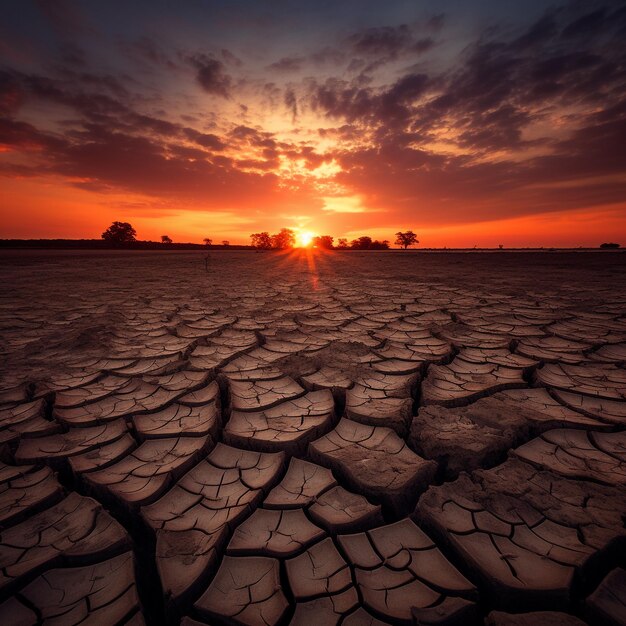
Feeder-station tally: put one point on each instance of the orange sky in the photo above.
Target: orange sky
(496, 126)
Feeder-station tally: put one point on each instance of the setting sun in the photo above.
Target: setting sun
(304, 238)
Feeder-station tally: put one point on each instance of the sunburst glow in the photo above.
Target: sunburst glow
(304, 238)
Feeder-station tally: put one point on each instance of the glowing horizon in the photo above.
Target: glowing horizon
(471, 126)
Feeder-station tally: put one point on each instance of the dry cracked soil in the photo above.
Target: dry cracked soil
(313, 438)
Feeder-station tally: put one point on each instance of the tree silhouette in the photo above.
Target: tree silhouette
(166, 239)
(119, 233)
(342, 243)
(362, 243)
(366, 243)
(261, 241)
(406, 239)
(225, 243)
(379, 245)
(207, 241)
(286, 238)
(323, 241)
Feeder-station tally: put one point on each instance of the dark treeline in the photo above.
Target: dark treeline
(286, 238)
(121, 235)
(100, 244)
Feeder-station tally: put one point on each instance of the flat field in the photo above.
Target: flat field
(313, 437)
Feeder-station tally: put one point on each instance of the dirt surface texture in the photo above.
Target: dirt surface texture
(312, 438)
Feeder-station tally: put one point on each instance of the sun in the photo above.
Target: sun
(304, 238)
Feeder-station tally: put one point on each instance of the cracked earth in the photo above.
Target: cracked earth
(313, 438)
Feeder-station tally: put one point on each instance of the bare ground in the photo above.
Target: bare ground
(330, 438)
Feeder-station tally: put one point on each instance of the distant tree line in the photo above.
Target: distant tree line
(286, 238)
(122, 234)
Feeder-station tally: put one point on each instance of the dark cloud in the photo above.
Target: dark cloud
(456, 189)
(12, 94)
(436, 22)
(540, 32)
(307, 154)
(328, 55)
(207, 140)
(340, 99)
(587, 25)
(231, 58)
(495, 128)
(211, 75)
(291, 103)
(23, 136)
(486, 106)
(72, 55)
(388, 42)
(106, 160)
(381, 41)
(89, 80)
(498, 91)
(422, 45)
(287, 64)
(115, 146)
(245, 135)
(146, 49)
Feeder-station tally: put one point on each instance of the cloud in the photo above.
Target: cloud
(587, 25)
(436, 22)
(207, 140)
(291, 103)
(381, 41)
(287, 64)
(231, 58)
(341, 99)
(23, 136)
(530, 124)
(388, 42)
(72, 55)
(211, 75)
(146, 49)
(112, 147)
(12, 94)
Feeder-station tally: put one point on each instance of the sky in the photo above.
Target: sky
(480, 122)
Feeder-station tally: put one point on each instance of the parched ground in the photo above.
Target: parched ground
(313, 438)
